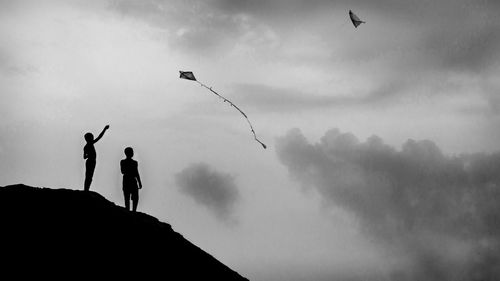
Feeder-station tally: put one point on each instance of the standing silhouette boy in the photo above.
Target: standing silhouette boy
(90, 154)
(131, 178)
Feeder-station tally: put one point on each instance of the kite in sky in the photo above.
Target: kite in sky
(355, 20)
(188, 75)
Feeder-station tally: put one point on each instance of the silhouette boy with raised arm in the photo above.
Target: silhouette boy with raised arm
(131, 178)
(90, 154)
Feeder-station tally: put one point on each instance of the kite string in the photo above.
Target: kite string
(237, 108)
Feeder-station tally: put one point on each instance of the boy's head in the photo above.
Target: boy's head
(129, 152)
(89, 137)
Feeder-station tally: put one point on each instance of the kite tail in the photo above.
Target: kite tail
(237, 108)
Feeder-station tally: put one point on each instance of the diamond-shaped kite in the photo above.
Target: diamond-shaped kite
(188, 75)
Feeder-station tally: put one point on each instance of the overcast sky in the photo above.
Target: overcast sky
(383, 140)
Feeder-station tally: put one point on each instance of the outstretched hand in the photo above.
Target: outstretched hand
(101, 134)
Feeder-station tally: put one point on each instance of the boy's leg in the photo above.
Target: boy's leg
(86, 184)
(126, 195)
(89, 173)
(135, 198)
(134, 205)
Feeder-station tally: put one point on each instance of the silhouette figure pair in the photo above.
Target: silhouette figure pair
(128, 166)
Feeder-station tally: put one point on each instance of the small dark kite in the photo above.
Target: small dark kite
(355, 20)
(187, 75)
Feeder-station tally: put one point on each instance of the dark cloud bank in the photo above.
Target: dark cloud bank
(215, 190)
(438, 214)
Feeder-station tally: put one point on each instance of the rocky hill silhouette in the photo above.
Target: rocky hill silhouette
(70, 234)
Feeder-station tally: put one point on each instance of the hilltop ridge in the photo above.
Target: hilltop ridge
(67, 233)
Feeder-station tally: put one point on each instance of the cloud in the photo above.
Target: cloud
(415, 46)
(430, 26)
(214, 190)
(194, 27)
(275, 99)
(472, 49)
(438, 213)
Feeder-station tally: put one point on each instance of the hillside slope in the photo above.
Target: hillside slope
(69, 233)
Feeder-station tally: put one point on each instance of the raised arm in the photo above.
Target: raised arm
(101, 134)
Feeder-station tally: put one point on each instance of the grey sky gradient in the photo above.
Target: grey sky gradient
(416, 70)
